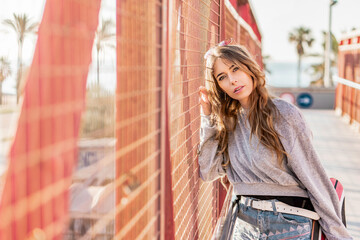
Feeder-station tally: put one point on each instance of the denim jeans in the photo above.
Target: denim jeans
(270, 225)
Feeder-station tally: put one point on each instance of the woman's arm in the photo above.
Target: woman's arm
(209, 160)
(307, 166)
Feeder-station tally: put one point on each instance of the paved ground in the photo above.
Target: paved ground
(338, 146)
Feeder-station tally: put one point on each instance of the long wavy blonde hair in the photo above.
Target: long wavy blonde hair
(262, 112)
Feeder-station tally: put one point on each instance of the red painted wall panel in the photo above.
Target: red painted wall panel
(43, 154)
(348, 98)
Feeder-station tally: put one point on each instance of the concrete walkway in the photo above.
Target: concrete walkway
(338, 146)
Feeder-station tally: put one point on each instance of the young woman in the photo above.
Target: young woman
(263, 145)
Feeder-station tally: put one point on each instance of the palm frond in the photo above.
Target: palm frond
(32, 28)
(310, 41)
(5, 69)
(10, 23)
(301, 36)
(21, 24)
(105, 33)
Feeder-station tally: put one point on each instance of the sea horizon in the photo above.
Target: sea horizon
(283, 74)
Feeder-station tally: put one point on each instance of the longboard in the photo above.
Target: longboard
(317, 233)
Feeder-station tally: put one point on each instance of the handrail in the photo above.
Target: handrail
(346, 82)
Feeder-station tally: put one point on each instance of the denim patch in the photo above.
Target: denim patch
(268, 225)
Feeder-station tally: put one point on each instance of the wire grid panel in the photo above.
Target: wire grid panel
(340, 87)
(234, 30)
(138, 113)
(244, 36)
(230, 26)
(348, 98)
(195, 28)
(345, 71)
(34, 202)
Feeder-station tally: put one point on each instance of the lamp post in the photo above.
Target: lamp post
(327, 67)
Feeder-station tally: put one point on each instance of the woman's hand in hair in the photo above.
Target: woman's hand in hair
(204, 101)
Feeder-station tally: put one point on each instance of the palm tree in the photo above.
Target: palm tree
(103, 34)
(317, 70)
(5, 71)
(300, 36)
(22, 25)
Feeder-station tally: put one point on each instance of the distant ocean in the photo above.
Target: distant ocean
(284, 74)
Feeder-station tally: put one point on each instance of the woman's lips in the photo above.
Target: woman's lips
(238, 89)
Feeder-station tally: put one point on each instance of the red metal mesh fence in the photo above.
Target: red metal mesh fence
(244, 36)
(347, 97)
(242, 33)
(142, 181)
(231, 26)
(195, 27)
(138, 126)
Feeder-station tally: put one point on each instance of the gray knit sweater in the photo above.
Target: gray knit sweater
(254, 170)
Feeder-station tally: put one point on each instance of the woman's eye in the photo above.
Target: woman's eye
(235, 69)
(222, 77)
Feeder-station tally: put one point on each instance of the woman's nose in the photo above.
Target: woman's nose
(232, 79)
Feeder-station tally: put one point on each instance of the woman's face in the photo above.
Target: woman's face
(236, 83)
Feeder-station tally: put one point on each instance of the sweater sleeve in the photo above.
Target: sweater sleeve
(209, 160)
(306, 165)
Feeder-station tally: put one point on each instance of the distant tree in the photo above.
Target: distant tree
(301, 36)
(5, 72)
(104, 34)
(98, 120)
(22, 25)
(317, 70)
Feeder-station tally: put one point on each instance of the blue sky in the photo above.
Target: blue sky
(277, 18)
(34, 9)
